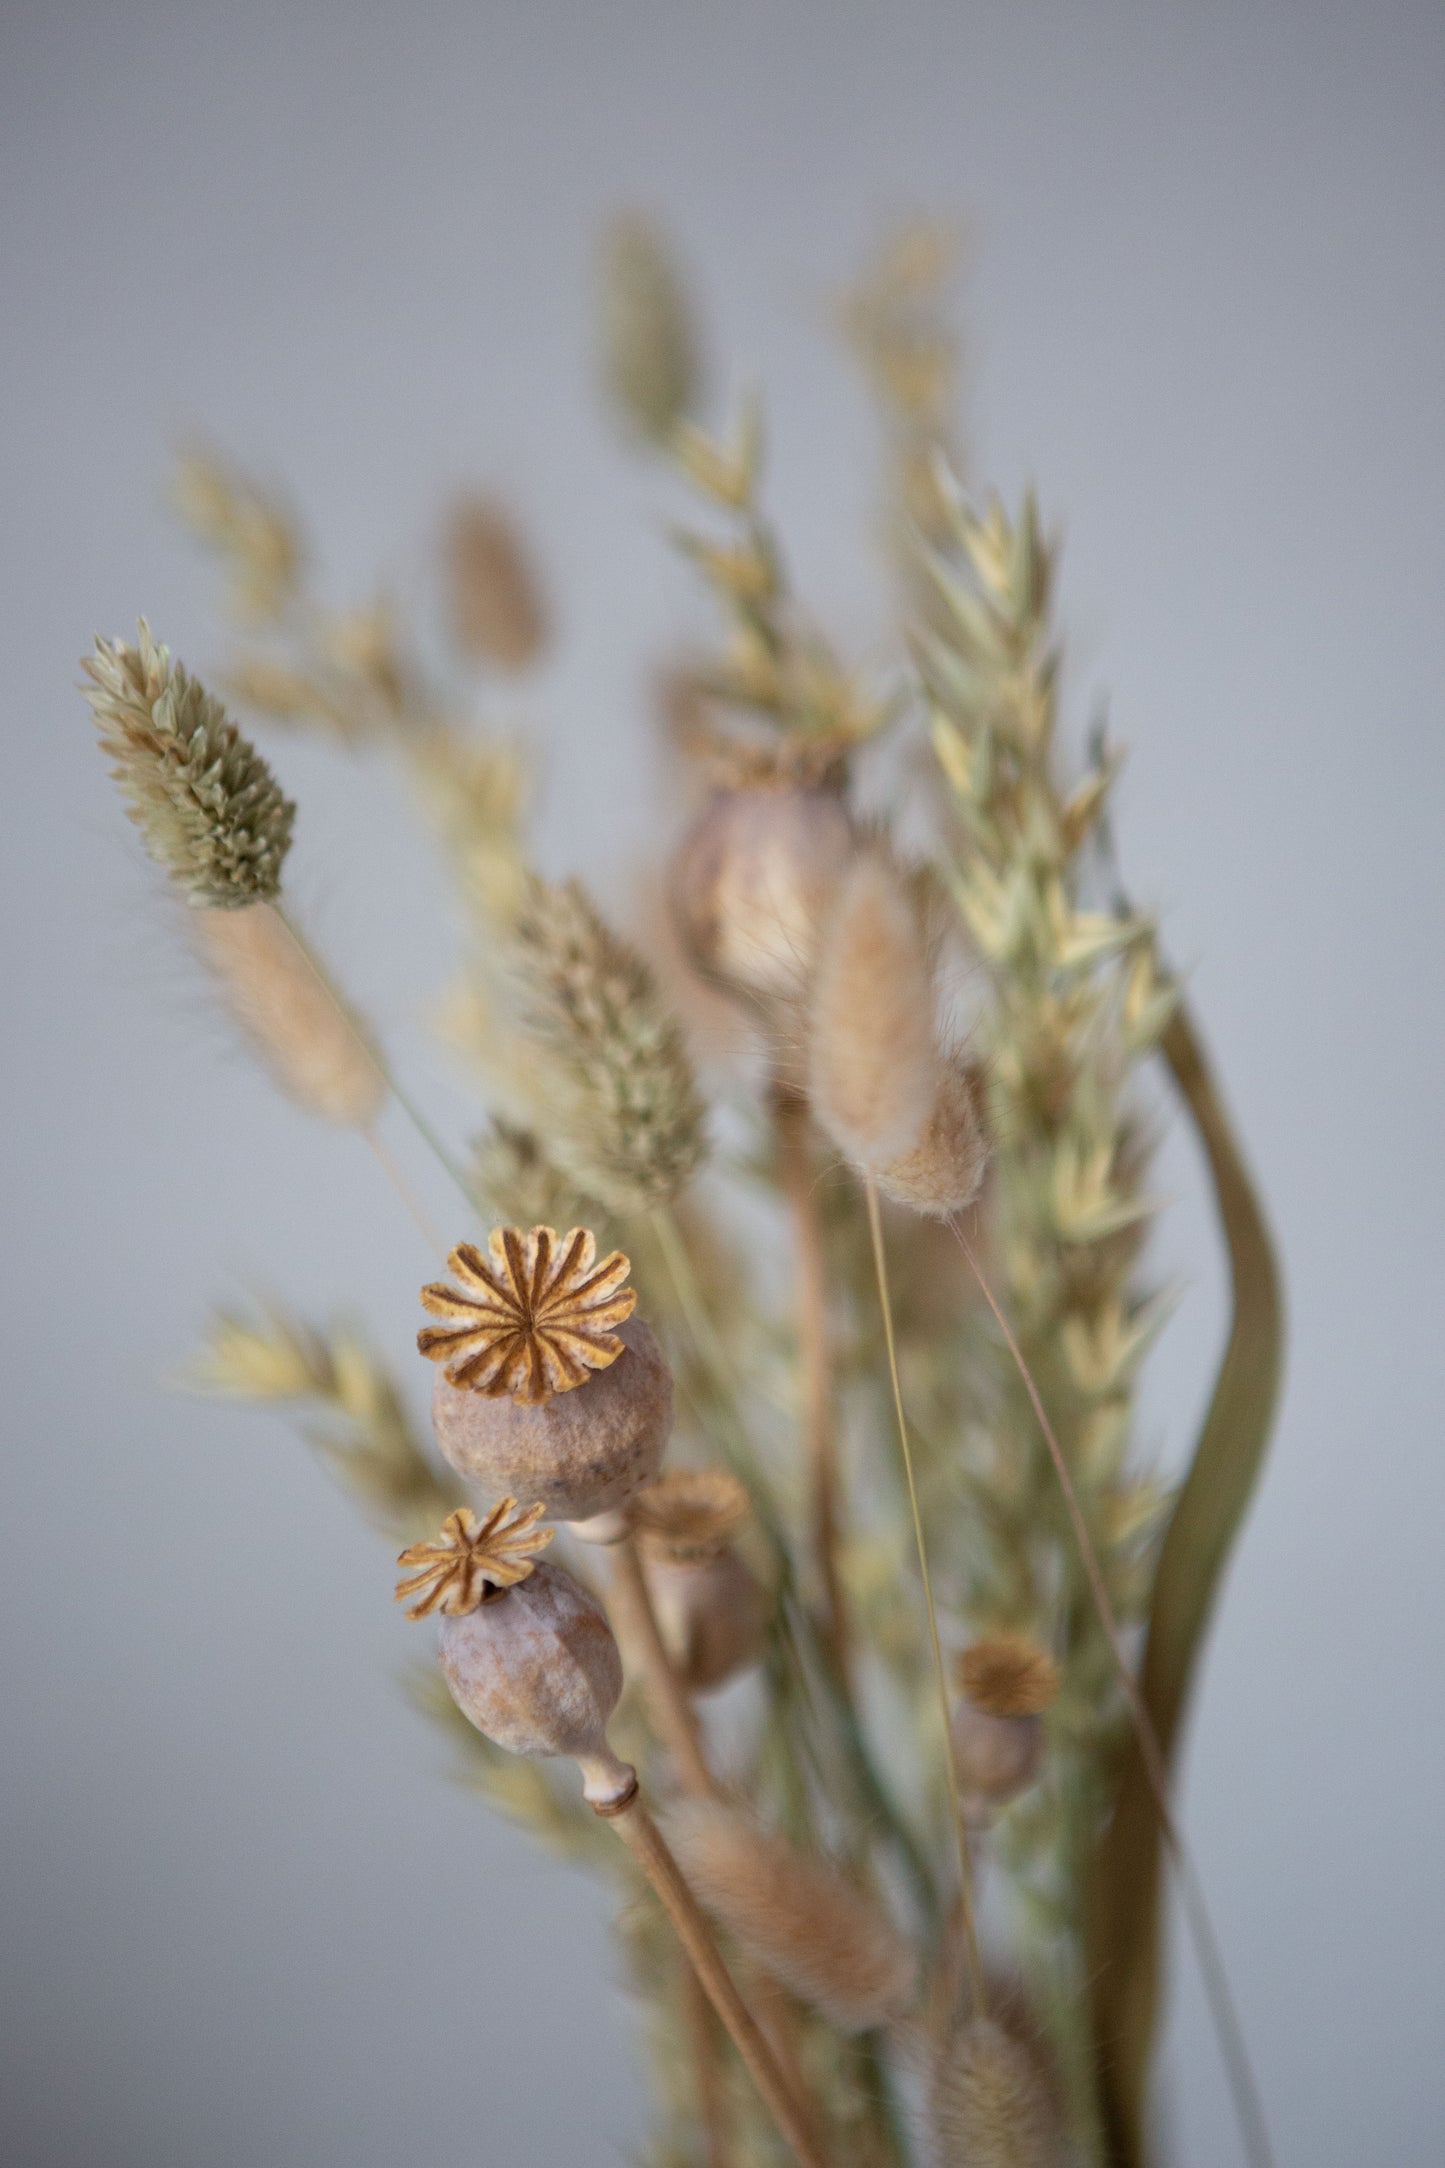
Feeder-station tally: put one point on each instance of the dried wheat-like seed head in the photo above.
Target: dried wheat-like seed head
(872, 1063)
(314, 1045)
(650, 362)
(690, 1513)
(496, 605)
(208, 808)
(250, 530)
(620, 1109)
(991, 2107)
(472, 1559)
(797, 1916)
(1007, 1674)
(533, 1322)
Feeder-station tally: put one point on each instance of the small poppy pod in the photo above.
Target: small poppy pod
(996, 1757)
(752, 884)
(580, 1453)
(536, 1668)
(997, 1730)
(711, 1613)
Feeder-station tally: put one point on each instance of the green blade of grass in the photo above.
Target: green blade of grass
(1125, 1896)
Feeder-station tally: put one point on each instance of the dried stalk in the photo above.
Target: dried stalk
(709, 2075)
(672, 1712)
(635, 1826)
(797, 1175)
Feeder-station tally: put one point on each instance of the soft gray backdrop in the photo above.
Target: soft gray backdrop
(246, 1922)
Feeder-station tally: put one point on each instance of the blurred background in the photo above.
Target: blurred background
(246, 1919)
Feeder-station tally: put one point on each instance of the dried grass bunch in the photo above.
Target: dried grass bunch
(903, 1518)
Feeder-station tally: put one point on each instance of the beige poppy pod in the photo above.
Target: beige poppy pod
(527, 1654)
(711, 1613)
(536, 1668)
(536, 1393)
(943, 1172)
(997, 1731)
(580, 1453)
(996, 1757)
(752, 884)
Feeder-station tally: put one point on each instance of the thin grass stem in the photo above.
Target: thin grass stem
(977, 1982)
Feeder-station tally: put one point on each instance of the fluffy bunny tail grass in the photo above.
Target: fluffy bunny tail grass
(796, 1916)
(316, 1050)
(943, 1171)
(873, 1066)
(991, 2106)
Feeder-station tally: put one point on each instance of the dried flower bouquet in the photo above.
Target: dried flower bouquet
(907, 1898)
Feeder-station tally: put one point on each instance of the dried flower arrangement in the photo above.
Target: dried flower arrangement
(908, 1900)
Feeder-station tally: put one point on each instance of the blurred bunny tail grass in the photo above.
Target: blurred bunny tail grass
(811, 1367)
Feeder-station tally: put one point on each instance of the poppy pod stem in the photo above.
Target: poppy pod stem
(635, 1826)
(673, 1715)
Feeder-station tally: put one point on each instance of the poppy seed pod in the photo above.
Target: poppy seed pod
(711, 1614)
(996, 1757)
(581, 1452)
(752, 883)
(536, 1668)
(997, 1731)
(536, 1393)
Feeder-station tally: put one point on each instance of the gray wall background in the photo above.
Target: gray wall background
(245, 1920)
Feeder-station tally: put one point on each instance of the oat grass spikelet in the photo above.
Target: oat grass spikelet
(872, 1063)
(208, 808)
(535, 1320)
(472, 1559)
(1009, 1675)
(796, 1915)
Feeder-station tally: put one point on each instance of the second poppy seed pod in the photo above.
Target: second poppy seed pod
(579, 1453)
(752, 884)
(996, 1757)
(997, 1730)
(536, 1668)
(711, 1614)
